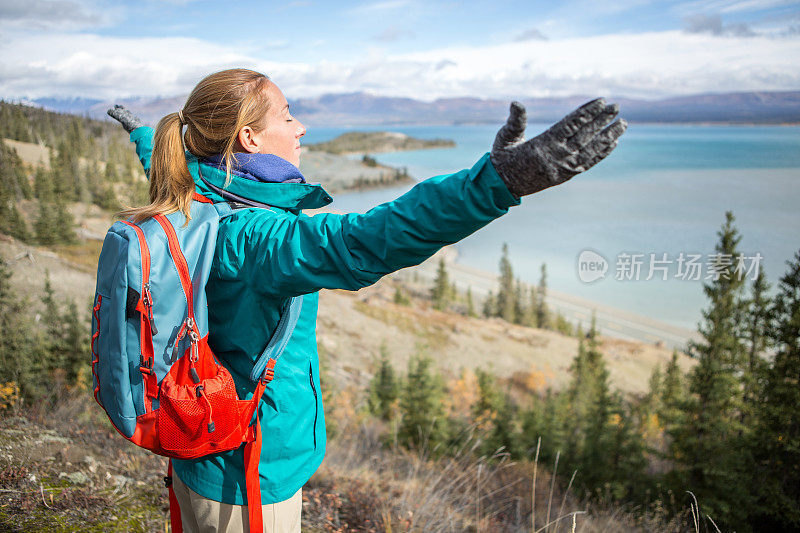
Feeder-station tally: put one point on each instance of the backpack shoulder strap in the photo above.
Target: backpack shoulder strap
(263, 369)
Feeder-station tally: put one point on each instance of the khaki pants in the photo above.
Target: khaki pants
(201, 515)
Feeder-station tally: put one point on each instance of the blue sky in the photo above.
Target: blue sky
(417, 48)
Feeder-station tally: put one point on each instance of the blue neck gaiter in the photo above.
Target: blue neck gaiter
(259, 167)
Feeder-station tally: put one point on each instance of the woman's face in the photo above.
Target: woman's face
(282, 133)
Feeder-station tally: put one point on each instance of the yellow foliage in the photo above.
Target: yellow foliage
(485, 421)
(533, 381)
(9, 394)
(342, 406)
(462, 394)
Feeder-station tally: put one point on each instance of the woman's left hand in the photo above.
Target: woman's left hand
(572, 145)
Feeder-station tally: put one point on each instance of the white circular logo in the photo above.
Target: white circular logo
(591, 266)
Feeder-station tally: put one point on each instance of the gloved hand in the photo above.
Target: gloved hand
(574, 144)
(128, 120)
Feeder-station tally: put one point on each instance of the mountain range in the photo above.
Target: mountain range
(359, 108)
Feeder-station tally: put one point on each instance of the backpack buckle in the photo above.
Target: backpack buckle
(147, 366)
(269, 371)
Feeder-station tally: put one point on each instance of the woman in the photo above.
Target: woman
(244, 147)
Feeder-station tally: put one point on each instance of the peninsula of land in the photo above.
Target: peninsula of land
(364, 142)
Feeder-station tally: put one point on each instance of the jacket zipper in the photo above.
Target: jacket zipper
(316, 403)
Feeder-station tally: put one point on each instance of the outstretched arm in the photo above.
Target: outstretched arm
(141, 135)
(285, 255)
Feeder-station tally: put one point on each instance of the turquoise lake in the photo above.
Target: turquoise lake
(664, 190)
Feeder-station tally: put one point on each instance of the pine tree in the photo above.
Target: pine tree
(12, 223)
(600, 440)
(541, 312)
(519, 306)
(383, 389)
(623, 471)
(757, 321)
(489, 306)
(21, 132)
(506, 292)
(422, 423)
(65, 223)
(470, 303)
(530, 309)
(493, 414)
(563, 326)
(578, 397)
(64, 172)
(440, 292)
(43, 185)
(673, 393)
(17, 339)
(76, 346)
(707, 447)
(651, 403)
(602, 403)
(44, 226)
(648, 413)
(400, 297)
(778, 435)
(12, 176)
(55, 331)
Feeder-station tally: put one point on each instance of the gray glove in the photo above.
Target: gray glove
(128, 120)
(574, 144)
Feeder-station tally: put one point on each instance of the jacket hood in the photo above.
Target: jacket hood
(290, 196)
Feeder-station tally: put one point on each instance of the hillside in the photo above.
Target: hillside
(354, 142)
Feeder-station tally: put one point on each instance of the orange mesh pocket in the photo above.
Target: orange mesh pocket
(195, 419)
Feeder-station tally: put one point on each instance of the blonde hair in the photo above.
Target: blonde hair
(216, 110)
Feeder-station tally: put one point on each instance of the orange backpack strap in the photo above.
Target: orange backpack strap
(174, 509)
(252, 457)
(262, 373)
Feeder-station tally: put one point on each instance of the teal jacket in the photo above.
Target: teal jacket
(263, 257)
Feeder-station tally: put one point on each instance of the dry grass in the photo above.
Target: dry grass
(462, 492)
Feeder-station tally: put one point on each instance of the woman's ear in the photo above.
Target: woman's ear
(247, 140)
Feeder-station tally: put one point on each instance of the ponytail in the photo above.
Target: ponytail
(171, 184)
(218, 107)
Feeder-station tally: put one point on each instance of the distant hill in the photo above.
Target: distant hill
(353, 142)
(359, 108)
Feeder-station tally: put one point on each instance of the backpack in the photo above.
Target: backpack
(152, 369)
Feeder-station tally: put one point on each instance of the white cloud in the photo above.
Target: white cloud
(646, 65)
(97, 66)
